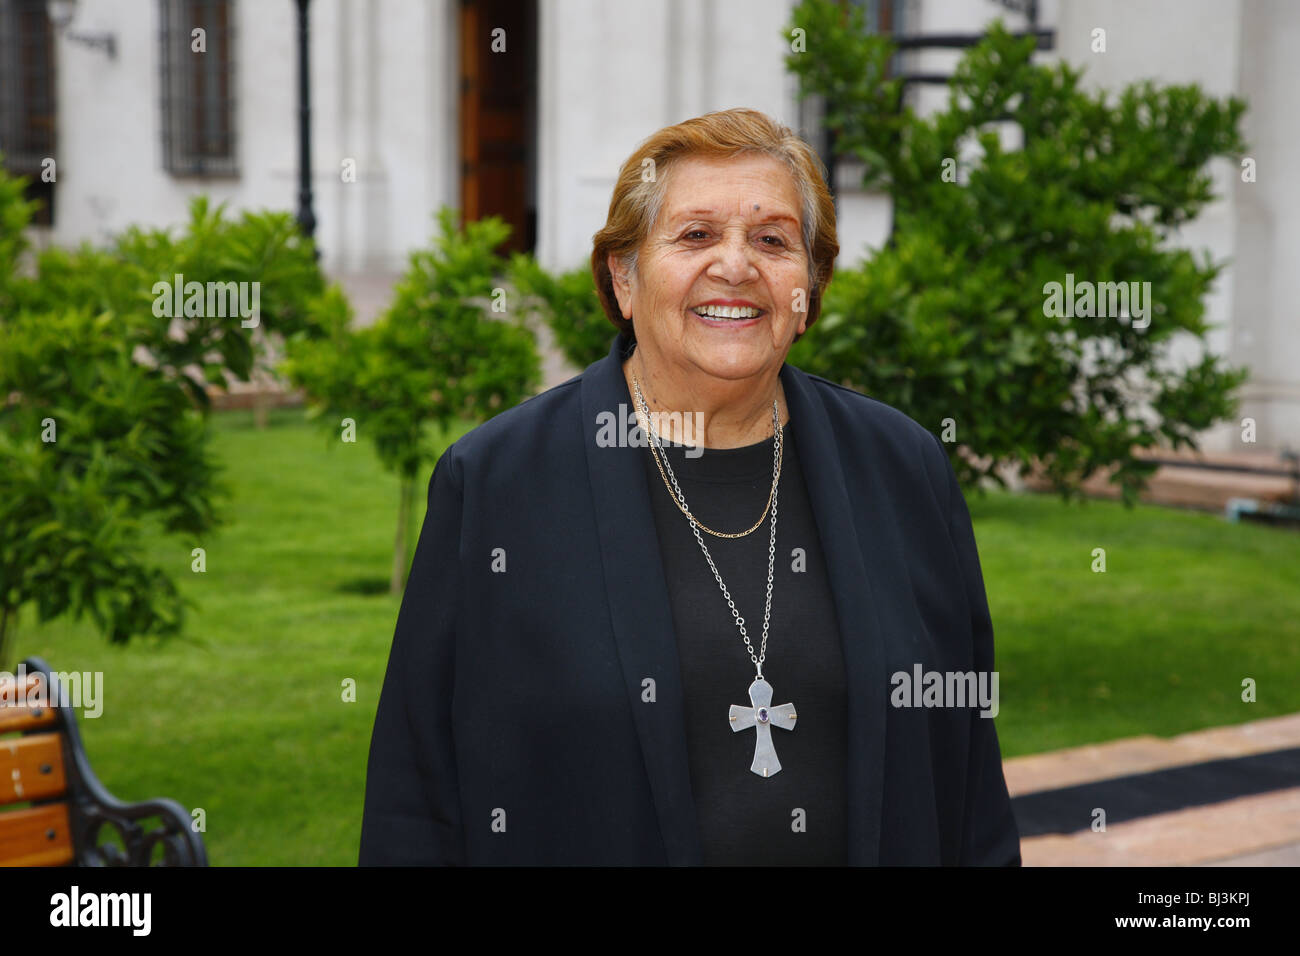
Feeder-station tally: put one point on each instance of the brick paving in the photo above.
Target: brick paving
(1208, 488)
(1256, 830)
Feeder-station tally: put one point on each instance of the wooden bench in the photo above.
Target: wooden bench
(71, 819)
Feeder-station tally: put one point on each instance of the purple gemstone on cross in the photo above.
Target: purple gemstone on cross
(762, 716)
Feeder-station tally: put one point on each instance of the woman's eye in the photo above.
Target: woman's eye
(699, 234)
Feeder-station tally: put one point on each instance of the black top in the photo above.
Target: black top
(796, 816)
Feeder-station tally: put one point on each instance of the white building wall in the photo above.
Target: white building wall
(1179, 42)
(383, 93)
(1265, 331)
(1242, 48)
(614, 73)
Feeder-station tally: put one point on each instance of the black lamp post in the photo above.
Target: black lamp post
(306, 218)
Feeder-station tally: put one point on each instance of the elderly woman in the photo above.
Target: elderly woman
(697, 648)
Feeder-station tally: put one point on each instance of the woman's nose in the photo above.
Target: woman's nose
(733, 260)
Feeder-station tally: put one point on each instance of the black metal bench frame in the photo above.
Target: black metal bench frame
(93, 812)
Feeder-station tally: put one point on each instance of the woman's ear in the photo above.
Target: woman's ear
(622, 286)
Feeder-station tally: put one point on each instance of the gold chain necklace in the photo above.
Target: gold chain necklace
(643, 408)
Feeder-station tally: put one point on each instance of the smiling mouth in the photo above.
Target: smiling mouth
(727, 312)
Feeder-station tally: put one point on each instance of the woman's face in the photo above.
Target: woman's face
(728, 233)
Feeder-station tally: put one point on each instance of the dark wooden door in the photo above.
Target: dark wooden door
(497, 111)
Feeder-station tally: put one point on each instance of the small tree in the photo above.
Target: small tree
(953, 321)
(127, 278)
(434, 357)
(570, 307)
(96, 449)
(102, 435)
(15, 213)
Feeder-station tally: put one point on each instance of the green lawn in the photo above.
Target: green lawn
(1160, 643)
(246, 719)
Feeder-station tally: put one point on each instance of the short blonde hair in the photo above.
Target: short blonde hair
(636, 203)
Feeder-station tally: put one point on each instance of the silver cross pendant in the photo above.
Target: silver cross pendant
(763, 717)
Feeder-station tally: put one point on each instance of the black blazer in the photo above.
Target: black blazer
(511, 727)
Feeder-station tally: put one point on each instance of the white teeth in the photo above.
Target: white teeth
(727, 311)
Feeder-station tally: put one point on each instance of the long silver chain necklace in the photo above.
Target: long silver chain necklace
(761, 715)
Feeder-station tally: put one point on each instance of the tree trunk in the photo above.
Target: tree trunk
(400, 562)
(260, 405)
(8, 624)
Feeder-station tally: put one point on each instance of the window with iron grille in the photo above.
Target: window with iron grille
(27, 98)
(198, 87)
(879, 16)
(882, 16)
